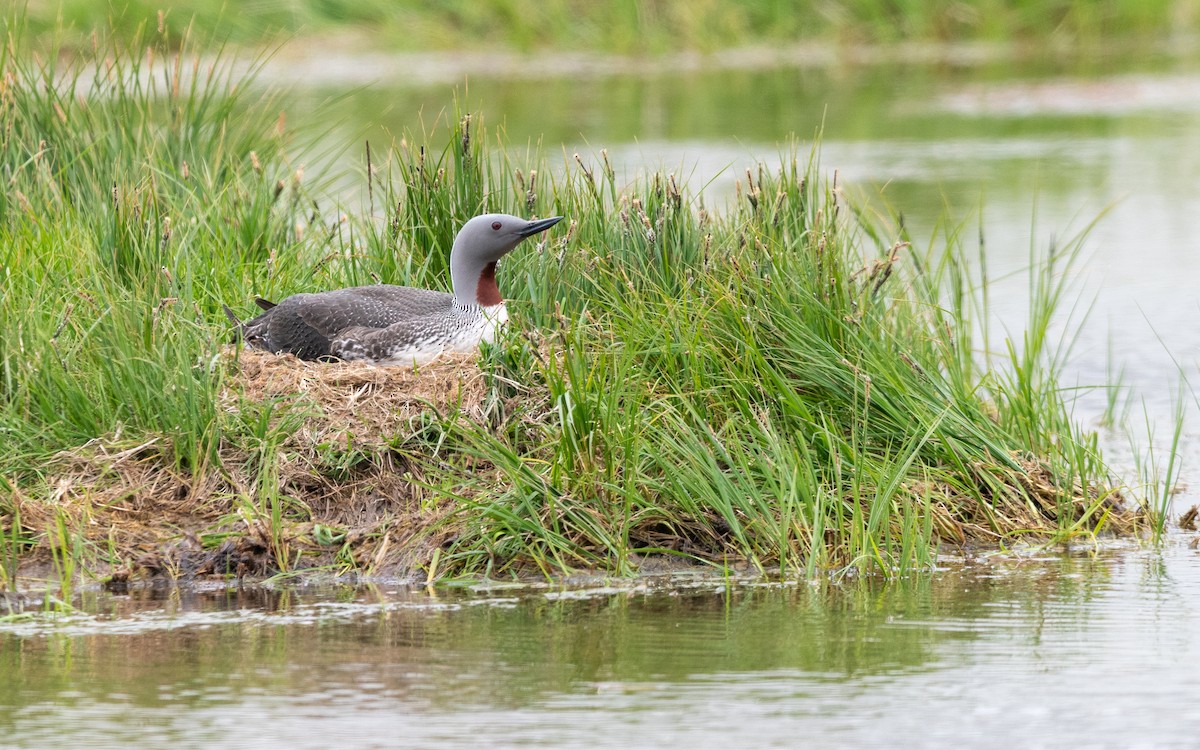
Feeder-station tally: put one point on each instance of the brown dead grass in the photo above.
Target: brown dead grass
(1026, 499)
(129, 504)
(351, 398)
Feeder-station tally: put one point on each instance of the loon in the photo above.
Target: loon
(399, 325)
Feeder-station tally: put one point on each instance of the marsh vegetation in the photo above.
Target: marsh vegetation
(637, 26)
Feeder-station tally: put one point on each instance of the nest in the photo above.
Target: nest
(353, 400)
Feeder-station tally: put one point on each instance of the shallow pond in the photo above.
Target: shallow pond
(1064, 650)
(1058, 650)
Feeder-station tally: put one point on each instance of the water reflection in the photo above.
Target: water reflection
(193, 663)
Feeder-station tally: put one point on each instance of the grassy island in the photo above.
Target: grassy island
(780, 385)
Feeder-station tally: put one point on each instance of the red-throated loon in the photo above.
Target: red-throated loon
(400, 325)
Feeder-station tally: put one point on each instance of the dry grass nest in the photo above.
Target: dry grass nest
(368, 402)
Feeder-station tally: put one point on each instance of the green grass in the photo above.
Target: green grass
(783, 384)
(631, 26)
(138, 198)
(760, 386)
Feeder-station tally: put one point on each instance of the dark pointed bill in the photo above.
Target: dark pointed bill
(540, 225)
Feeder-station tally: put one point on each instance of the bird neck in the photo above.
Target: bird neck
(487, 293)
(474, 282)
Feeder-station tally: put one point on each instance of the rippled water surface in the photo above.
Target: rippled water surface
(1058, 650)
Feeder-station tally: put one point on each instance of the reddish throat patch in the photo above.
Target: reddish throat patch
(486, 292)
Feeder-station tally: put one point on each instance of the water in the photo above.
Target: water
(1075, 650)
(1055, 650)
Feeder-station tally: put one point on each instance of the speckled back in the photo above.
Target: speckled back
(308, 324)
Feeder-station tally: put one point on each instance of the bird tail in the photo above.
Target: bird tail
(238, 326)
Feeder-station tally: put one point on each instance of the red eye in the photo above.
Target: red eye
(496, 225)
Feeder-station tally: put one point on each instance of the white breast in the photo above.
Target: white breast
(482, 326)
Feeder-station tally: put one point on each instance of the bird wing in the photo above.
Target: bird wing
(411, 335)
(331, 313)
(308, 324)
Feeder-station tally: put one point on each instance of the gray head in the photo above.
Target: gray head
(481, 242)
